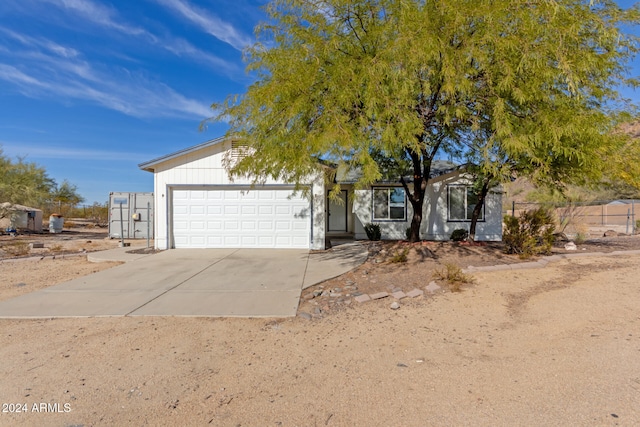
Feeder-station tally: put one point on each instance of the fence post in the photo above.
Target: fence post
(633, 216)
(513, 208)
(628, 218)
(148, 222)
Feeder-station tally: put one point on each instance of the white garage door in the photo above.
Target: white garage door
(232, 218)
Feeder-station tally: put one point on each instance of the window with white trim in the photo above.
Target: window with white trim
(389, 203)
(461, 202)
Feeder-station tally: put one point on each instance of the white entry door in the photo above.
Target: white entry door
(338, 213)
(228, 217)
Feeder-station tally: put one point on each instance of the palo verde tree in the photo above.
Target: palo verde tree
(22, 182)
(350, 81)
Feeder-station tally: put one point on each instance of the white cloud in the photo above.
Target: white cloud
(41, 43)
(108, 18)
(209, 23)
(100, 14)
(130, 94)
(35, 151)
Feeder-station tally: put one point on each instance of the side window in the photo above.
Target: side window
(389, 203)
(462, 201)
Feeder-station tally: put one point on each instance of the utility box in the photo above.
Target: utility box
(130, 215)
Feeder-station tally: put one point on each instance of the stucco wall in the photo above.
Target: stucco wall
(435, 224)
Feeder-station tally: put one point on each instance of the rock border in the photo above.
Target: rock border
(544, 261)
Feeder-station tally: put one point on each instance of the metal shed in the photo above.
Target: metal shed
(130, 215)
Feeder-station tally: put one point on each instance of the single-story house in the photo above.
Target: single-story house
(198, 206)
(20, 217)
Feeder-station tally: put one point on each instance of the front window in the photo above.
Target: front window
(389, 204)
(462, 202)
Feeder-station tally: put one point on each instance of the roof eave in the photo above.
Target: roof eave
(150, 165)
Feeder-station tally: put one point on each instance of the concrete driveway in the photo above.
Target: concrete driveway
(191, 282)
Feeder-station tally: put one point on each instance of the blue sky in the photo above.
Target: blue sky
(91, 88)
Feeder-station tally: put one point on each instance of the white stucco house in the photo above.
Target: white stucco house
(198, 206)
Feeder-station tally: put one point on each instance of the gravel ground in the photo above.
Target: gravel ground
(552, 346)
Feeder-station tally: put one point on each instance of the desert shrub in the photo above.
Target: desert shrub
(373, 231)
(56, 247)
(459, 235)
(400, 256)
(529, 234)
(17, 248)
(580, 238)
(453, 276)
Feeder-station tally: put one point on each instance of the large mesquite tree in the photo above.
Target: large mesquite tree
(350, 80)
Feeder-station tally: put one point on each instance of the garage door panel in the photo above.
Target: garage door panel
(197, 210)
(248, 210)
(214, 209)
(264, 218)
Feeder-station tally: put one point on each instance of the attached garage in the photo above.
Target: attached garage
(198, 206)
(230, 217)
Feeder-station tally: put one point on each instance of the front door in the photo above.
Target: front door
(338, 213)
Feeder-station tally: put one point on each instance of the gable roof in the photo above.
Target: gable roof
(438, 168)
(150, 165)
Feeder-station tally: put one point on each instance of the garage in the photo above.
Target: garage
(198, 205)
(239, 217)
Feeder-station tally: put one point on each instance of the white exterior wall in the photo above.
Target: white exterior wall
(435, 225)
(205, 167)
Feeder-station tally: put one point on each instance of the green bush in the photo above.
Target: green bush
(453, 276)
(459, 235)
(400, 256)
(529, 234)
(373, 231)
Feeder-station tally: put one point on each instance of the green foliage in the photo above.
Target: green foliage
(452, 274)
(400, 256)
(26, 183)
(23, 183)
(529, 234)
(373, 231)
(459, 235)
(376, 85)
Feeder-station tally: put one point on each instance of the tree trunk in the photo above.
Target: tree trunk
(414, 235)
(421, 169)
(477, 209)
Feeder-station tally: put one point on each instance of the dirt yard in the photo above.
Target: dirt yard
(552, 346)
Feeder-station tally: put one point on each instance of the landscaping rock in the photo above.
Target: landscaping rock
(379, 295)
(415, 293)
(570, 246)
(398, 295)
(432, 287)
(335, 294)
(304, 315)
(394, 305)
(362, 298)
(608, 233)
